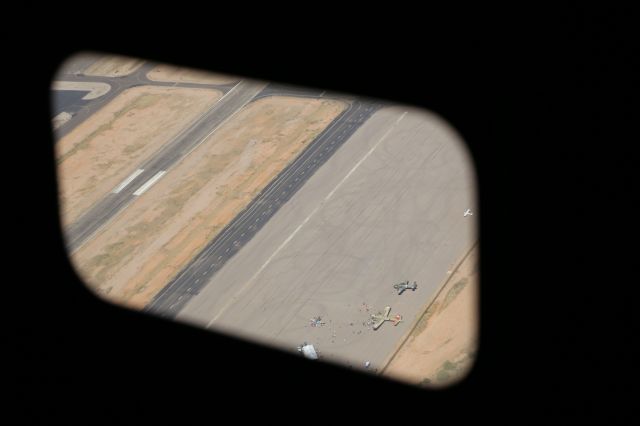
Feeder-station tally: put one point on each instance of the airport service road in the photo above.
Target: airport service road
(117, 85)
(248, 222)
(386, 207)
(150, 172)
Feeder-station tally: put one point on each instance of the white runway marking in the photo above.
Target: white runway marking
(150, 182)
(127, 181)
(293, 234)
(365, 157)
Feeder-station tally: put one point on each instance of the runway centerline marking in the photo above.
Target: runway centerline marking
(150, 182)
(304, 222)
(127, 181)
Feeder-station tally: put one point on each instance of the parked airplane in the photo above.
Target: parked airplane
(468, 213)
(380, 318)
(401, 287)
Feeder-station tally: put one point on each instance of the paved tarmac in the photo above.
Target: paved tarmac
(387, 206)
(248, 222)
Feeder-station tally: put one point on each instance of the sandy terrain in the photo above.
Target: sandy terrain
(77, 63)
(143, 248)
(113, 66)
(442, 346)
(103, 150)
(187, 75)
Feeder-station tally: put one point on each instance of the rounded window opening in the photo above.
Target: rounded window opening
(321, 223)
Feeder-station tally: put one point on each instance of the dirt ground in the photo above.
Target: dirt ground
(106, 148)
(113, 66)
(442, 346)
(133, 258)
(170, 73)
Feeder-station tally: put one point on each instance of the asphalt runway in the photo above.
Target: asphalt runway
(387, 206)
(247, 223)
(152, 170)
(279, 89)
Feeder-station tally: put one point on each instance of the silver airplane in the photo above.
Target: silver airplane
(401, 287)
(379, 318)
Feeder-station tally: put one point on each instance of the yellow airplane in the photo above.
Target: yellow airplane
(380, 318)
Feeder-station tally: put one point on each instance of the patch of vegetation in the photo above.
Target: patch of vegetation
(130, 149)
(141, 288)
(145, 100)
(422, 323)
(443, 376)
(453, 369)
(448, 365)
(454, 291)
(91, 183)
(110, 257)
(84, 143)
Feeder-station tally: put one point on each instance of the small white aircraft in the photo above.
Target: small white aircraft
(468, 213)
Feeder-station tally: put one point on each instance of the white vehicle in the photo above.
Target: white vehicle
(308, 351)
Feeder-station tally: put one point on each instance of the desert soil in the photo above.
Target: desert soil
(107, 147)
(133, 258)
(168, 73)
(113, 66)
(442, 346)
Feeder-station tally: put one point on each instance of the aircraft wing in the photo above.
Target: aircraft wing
(377, 322)
(386, 311)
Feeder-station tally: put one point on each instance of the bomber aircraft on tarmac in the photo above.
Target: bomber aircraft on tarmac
(380, 318)
(401, 287)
